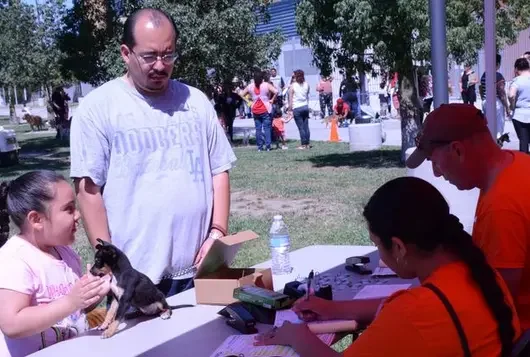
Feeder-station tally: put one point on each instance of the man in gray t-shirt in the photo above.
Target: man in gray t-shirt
(150, 160)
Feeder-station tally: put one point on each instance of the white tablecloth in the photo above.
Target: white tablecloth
(197, 331)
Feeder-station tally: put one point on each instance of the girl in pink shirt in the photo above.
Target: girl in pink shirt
(43, 292)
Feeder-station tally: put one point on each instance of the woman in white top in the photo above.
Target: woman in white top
(519, 97)
(299, 105)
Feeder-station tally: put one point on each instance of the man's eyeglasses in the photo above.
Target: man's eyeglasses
(151, 58)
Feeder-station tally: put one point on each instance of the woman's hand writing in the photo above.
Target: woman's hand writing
(314, 308)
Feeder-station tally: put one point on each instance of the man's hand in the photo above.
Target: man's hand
(205, 248)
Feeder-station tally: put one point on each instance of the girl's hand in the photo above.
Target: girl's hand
(314, 309)
(287, 335)
(105, 286)
(86, 292)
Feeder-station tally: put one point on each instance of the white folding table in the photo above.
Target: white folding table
(197, 331)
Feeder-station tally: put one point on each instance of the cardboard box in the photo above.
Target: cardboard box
(215, 281)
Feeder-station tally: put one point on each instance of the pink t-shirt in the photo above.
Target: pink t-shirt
(28, 270)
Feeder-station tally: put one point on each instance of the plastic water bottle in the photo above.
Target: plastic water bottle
(280, 245)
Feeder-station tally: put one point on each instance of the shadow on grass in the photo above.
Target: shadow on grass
(45, 145)
(365, 159)
(33, 163)
(45, 153)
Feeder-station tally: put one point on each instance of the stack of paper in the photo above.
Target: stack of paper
(244, 344)
(379, 291)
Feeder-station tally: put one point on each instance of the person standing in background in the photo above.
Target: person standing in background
(325, 95)
(299, 105)
(519, 98)
(348, 91)
(468, 80)
(260, 92)
(502, 108)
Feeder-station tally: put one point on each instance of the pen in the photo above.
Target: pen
(309, 279)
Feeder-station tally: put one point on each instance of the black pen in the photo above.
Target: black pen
(309, 279)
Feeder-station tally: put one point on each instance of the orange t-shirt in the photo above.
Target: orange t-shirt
(502, 226)
(415, 322)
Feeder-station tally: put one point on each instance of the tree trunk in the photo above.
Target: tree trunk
(410, 108)
(12, 113)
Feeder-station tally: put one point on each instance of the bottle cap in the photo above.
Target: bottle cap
(278, 217)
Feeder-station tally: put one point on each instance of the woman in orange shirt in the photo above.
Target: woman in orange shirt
(462, 307)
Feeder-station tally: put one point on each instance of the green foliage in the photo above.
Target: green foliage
(213, 34)
(17, 25)
(47, 54)
(29, 54)
(396, 32)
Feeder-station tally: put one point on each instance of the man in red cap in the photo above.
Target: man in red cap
(456, 139)
(342, 110)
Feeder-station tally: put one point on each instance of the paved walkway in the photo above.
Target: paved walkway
(319, 132)
(391, 127)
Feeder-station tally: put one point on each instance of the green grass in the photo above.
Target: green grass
(320, 192)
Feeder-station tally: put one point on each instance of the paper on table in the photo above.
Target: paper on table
(290, 315)
(382, 271)
(378, 291)
(244, 344)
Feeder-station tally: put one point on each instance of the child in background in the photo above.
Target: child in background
(43, 293)
(278, 126)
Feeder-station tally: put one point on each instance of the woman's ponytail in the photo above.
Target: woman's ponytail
(483, 274)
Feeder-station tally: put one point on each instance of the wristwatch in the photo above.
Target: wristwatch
(215, 234)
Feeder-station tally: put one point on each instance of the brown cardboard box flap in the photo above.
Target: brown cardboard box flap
(223, 252)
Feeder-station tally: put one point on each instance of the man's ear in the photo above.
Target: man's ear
(458, 149)
(125, 53)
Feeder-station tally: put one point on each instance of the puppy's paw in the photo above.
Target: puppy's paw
(111, 330)
(103, 326)
(107, 334)
(166, 314)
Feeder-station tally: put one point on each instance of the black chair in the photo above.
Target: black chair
(522, 346)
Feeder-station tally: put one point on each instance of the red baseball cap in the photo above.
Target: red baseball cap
(445, 124)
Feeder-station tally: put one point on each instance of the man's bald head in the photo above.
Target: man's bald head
(156, 17)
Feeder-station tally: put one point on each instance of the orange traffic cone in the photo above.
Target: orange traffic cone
(334, 133)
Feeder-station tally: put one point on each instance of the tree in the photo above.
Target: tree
(29, 55)
(213, 34)
(17, 26)
(47, 55)
(395, 33)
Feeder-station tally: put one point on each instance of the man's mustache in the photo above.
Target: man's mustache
(158, 73)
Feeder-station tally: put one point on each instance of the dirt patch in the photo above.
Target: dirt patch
(246, 204)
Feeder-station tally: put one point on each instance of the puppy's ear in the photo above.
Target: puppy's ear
(100, 240)
(98, 246)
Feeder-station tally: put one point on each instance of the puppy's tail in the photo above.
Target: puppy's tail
(175, 307)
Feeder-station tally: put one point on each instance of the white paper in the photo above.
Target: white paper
(382, 271)
(244, 344)
(379, 291)
(286, 315)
